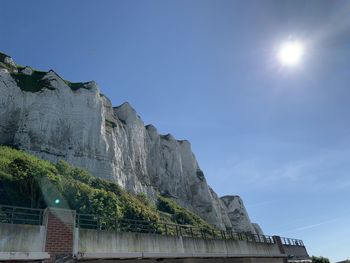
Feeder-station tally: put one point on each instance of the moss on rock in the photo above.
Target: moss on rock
(35, 81)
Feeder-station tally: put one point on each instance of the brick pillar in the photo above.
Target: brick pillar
(278, 241)
(60, 225)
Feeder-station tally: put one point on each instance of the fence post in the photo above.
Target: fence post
(203, 234)
(77, 222)
(223, 236)
(12, 215)
(40, 217)
(231, 234)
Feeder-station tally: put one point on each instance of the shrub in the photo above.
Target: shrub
(30, 181)
(319, 259)
(179, 214)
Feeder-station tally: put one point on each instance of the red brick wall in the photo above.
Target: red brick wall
(60, 225)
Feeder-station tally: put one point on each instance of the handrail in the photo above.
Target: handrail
(87, 221)
(21, 215)
(34, 216)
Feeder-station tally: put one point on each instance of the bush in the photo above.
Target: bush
(179, 214)
(319, 259)
(29, 174)
(143, 199)
(30, 181)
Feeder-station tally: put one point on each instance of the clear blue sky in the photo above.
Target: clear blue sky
(206, 71)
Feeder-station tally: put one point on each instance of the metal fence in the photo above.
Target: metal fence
(32, 216)
(140, 226)
(21, 215)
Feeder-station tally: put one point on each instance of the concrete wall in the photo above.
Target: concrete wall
(230, 247)
(199, 260)
(296, 251)
(21, 238)
(30, 242)
(110, 241)
(93, 243)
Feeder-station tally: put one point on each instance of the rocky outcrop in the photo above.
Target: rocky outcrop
(238, 215)
(55, 119)
(27, 71)
(257, 229)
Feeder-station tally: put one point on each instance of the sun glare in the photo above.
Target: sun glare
(290, 53)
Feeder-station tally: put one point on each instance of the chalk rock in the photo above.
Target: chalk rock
(27, 71)
(257, 229)
(238, 214)
(9, 61)
(79, 125)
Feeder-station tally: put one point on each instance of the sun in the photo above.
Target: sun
(290, 53)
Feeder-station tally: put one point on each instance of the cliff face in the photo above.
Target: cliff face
(55, 119)
(238, 214)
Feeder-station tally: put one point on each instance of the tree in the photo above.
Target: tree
(28, 179)
(34, 179)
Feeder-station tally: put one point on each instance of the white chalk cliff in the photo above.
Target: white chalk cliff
(55, 119)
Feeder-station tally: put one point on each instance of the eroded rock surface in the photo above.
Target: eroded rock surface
(76, 123)
(257, 229)
(237, 214)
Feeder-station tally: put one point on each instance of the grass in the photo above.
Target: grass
(74, 85)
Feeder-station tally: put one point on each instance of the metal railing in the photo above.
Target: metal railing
(21, 215)
(129, 225)
(33, 216)
(292, 241)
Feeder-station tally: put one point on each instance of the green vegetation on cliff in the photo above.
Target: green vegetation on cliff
(2, 57)
(4, 65)
(74, 85)
(34, 82)
(26, 180)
